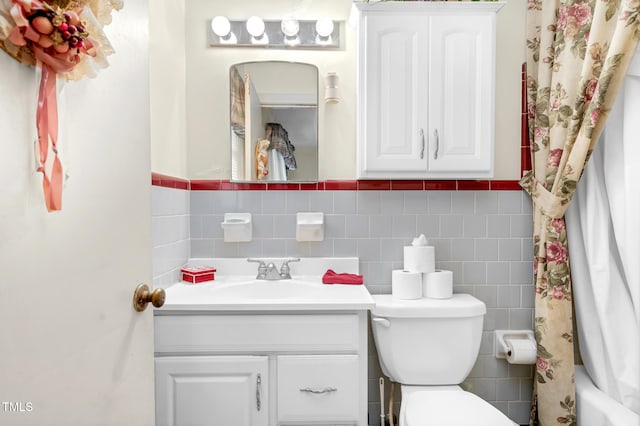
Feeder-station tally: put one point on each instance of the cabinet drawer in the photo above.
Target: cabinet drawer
(318, 388)
(255, 333)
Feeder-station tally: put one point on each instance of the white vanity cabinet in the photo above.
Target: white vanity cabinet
(261, 368)
(426, 90)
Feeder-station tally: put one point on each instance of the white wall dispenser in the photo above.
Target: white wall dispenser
(237, 227)
(516, 346)
(310, 226)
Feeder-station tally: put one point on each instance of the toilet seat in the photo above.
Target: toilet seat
(451, 408)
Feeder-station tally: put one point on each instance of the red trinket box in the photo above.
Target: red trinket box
(198, 274)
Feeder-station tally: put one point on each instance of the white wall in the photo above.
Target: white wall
(167, 87)
(207, 92)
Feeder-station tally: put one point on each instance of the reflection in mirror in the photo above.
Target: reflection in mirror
(274, 122)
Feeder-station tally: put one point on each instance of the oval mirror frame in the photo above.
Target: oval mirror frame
(274, 122)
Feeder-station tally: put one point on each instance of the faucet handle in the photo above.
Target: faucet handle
(262, 268)
(285, 271)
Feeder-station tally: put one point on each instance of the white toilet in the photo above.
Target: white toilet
(429, 346)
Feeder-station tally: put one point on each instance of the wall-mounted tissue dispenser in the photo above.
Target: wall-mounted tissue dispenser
(237, 227)
(310, 226)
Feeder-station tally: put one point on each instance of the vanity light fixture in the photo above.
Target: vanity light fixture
(288, 33)
(221, 27)
(331, 94)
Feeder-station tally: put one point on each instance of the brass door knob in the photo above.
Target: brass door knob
(142, 296)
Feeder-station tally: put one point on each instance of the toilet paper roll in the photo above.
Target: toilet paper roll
(406, 284)
(438, 284)
(419, 258)
(521, 351)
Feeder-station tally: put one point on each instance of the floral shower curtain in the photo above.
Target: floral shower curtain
(578, 53)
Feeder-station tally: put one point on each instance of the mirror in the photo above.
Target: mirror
(274, 122)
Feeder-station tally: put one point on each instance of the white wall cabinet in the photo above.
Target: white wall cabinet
(260, 369)
(426, 90)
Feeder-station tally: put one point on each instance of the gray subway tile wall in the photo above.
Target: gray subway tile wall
(484, 237)
(171, 226)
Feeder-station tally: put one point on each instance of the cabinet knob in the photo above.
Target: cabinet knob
(142, 296)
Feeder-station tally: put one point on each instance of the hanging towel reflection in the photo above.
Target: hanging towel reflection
(279, 138)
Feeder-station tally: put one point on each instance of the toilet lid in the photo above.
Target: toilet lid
(459, 408)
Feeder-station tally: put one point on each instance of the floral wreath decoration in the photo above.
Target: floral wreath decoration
(63, 38)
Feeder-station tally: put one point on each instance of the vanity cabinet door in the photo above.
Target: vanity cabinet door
(318, 389)
(212, 390)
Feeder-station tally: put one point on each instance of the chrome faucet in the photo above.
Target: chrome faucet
(269, 272)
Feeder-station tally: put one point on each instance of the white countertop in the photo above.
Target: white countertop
(244, 293)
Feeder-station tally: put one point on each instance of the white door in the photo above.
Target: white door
(212, 390)
(73, 352)
(395, 96)
(461, 95)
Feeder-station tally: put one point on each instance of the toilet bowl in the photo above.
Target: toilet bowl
(425, 406)
(429, 346)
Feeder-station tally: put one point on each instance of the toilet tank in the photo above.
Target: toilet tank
(427, 341)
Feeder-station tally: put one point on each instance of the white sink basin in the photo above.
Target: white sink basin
(269, 290)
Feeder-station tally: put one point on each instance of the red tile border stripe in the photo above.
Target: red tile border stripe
(283, 187)
(473, 185)
(440, 185)
(407, 185)
(339, 185)
(205, 185)
(374, 185)
(158, 179)
(505, 185)
(525, 145)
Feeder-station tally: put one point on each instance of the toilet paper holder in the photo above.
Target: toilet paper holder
(502, 336)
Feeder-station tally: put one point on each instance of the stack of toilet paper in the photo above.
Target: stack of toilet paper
(419, 277)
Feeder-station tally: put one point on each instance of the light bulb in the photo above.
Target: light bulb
(221, 26)
(255, 26)
(290, 27)
(324, 27)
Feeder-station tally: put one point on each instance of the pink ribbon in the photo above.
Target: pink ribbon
(47, 125)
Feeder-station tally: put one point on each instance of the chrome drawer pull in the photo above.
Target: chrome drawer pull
(325, 390)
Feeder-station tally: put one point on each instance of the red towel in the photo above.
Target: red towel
(330, 277)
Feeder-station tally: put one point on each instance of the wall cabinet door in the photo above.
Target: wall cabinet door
(461, 95)
(394, 96)
(204, 390)
(426, 104)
